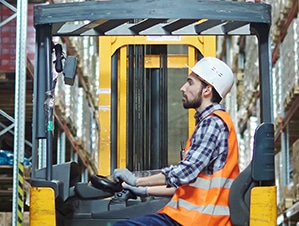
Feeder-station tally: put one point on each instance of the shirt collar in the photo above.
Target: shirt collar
(199, 116)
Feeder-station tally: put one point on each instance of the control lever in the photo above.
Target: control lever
(125, 195)
(120, 199)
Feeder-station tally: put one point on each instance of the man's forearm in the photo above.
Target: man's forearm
(157, 179)
(160, 191)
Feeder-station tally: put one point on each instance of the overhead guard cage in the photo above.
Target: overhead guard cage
(155, 18)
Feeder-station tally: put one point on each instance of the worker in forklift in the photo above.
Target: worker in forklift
(200, 182)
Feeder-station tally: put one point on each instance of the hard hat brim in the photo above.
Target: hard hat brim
(203, 80)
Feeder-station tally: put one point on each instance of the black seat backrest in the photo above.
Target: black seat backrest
(239, 198)
(263, 155)
(260, 171)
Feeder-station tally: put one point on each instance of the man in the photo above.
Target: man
(201, 181)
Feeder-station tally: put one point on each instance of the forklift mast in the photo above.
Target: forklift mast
(156, 18)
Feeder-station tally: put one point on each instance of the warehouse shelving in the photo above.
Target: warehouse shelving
(7, 89)
(288, 122)
(8, 106)
(291, 105)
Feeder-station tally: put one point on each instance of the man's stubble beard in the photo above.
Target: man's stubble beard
(194, 103)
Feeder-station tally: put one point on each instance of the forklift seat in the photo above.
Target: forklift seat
(255, 174)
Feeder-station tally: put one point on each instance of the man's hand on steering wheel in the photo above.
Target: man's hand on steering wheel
(124, 175)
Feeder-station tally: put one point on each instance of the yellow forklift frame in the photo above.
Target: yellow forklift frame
(107, 47)
(149, 18)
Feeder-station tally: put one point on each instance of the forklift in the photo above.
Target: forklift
(57, 195)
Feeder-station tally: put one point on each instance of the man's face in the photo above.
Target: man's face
(192, 92)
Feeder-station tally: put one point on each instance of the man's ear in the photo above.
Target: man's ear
(208, 90)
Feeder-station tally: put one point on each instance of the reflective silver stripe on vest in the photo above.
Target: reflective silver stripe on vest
(208, 209)
(216, 182)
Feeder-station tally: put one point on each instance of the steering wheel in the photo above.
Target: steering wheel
(105, 183)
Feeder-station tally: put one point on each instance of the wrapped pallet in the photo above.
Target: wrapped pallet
(71, 101)
(295, 163)
(289, 55)
(60, 104)
(246, 143)
(277, 91)
(251, 78)
(86, 47)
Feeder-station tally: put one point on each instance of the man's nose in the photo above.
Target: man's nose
(182, 89)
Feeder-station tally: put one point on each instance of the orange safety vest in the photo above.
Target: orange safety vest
(205, 201)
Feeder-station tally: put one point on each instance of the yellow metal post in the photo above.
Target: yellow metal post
(104, 104)
(191, 61)
(122, 108)
(209, 46)
(42, 206)
(263, 210)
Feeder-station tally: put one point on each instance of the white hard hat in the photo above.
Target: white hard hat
(216, 73)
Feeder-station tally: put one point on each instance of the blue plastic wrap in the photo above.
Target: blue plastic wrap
(6, 158)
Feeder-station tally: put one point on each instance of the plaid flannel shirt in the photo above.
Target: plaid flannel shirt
(208, 150)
